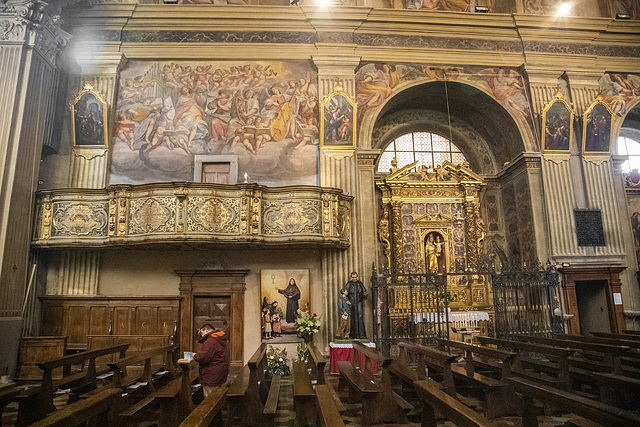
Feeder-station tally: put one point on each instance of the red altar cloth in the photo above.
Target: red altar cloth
(339, 352)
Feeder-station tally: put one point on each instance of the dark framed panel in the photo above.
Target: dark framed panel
(596, 128)
(589, 227)
(557, 125)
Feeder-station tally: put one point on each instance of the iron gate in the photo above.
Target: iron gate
(524, 302)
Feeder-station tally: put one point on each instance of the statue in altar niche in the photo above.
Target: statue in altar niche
(434, 253)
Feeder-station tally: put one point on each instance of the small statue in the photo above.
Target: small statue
(344, 308)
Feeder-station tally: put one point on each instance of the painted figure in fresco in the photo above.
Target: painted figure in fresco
(455, 5)
(598, 133)
(276, 327)
(507, 88)
(292, 293)
(357, 293)
(376, 86)
(344, 309)
(557, 128)
(267, 323)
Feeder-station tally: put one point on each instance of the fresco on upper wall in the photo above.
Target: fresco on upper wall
(376, 82)
(495, 6)
(619, 91)
(266, 113)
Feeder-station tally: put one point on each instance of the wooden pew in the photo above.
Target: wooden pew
(610, 353)
(560, 357)
(304, 397)
(174, 399)
(591, 410)
(498, 395)
(37, 402)
(629, 337)
(434, 399)
(248, 396)
(207, 413)
(629, 358)
(380, 404)
(108, 401)
(630, 332)
(328, 414)
(317, 364)
(119, 368)
(426, 357)
(7, 394)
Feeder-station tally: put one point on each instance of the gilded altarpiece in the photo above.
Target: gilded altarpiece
(431, 225)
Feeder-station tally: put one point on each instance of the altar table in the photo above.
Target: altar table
(344, 351)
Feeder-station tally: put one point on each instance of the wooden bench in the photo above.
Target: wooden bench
(103, 408)
(174, 399)
(435, 399)
(37, 402)
(304, 397)
(591, 410)
(380, 404)
(328, 414)
(425, 357)
(7, 394)
(560, 357)
(629, 337)
(630, 332)
(249, 397)
(119, 368)
(629, 358)
(610, 353)
(207, 413)
(498, 395)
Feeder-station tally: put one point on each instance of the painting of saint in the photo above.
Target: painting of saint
(337, 125)
(434, 253)
(89, 118)
(558, 127)
(283, 293)
(597, 129)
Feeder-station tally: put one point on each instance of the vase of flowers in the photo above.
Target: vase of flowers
(277, 362)
(307, 325)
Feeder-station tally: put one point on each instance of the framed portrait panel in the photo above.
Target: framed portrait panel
(282, 293)
(596, 128)
(338, 112)
(89, 119)
(557, 125)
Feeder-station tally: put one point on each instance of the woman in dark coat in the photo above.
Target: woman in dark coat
(292, 293)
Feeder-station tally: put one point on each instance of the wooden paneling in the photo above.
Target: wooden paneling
(137, 343)
(77, 317)
(39, 349)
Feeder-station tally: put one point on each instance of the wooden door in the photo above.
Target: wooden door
(215, 310)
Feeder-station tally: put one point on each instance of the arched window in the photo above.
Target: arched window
(631, 148)
(429, 149)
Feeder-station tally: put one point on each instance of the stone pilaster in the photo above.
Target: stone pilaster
(30, 41)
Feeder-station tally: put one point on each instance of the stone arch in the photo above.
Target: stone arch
(514, 132)
(474, 146)
(628, 125)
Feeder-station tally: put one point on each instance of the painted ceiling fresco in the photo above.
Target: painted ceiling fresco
(620, 91)
(265, 113)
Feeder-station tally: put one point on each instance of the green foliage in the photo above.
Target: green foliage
(277, 361)
(307, 324)
(302, 352)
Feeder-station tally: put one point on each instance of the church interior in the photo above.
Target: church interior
(467, 170)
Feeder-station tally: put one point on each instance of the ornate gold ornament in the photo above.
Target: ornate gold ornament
(151, 215)
(552, 114)
(601, 142)
(79, 219)
(89, 123)
(344, 107)
(291, 217)
(213, 214)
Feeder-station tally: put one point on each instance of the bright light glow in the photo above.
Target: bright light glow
(631, 148)
(564, 9)
(323, 3)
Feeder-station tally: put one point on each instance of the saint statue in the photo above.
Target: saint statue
(434, 253)
(356, 293)
(292, 293)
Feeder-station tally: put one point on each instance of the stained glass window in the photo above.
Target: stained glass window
(429, 149)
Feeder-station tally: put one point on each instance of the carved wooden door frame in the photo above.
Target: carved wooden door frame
(195, 283)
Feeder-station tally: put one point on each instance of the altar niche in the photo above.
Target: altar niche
(431, 225)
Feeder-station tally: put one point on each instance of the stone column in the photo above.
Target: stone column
(79, 270)
(30, 41)
(353, 173)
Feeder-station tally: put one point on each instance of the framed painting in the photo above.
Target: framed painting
(596, 128)
(282, 293)
(557, 125)
(338, 113)
(89, 118)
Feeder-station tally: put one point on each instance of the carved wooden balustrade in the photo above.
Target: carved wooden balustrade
(193, 214)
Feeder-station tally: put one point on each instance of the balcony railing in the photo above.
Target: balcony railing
(193, 214)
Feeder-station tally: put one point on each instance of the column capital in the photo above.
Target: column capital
(336, 63)
(585, 78)
(96, 63)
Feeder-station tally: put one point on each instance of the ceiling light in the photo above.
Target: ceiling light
(564, 9)
(482, 9)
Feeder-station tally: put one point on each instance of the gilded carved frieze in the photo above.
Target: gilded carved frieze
(291, 217)
(79, 219)
(213, 214)
(204, 213)
(152, 215)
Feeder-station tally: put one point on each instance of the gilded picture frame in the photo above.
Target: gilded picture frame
(338, 114)
(596, 128)
(557, 125)
(89, 119)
